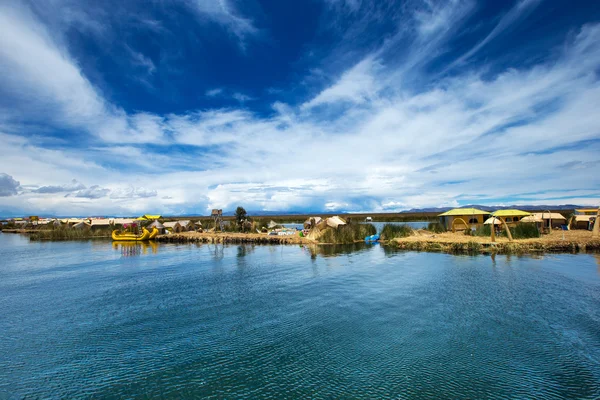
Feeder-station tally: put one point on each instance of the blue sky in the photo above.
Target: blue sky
(180, 106)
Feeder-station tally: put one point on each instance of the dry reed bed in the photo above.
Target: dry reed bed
(556, 241)
(231, 238)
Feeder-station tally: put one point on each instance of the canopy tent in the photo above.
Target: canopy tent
(492, 220)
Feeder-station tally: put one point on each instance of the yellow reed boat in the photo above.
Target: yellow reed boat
(154, 233)
(132, 237)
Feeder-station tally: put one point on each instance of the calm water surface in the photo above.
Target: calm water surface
(86, 319)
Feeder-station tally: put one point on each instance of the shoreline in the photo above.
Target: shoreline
(232, 238)
(576, 241)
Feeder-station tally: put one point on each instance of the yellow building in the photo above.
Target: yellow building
(511, 217)
(586, 211)
(460, 219)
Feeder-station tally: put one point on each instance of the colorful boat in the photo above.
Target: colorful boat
(132, 237)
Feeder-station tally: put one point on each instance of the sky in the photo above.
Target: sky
(182, 106)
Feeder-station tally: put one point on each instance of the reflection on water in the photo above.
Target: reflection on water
(92, 319)
(131, 249)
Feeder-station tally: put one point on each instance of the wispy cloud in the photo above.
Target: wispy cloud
(519, 11)
(242, 98)
(224, 13)
(214, 92)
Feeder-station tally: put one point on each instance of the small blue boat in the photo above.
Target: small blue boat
(372, 238)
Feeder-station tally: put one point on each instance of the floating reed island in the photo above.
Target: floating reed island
(232, 238)
(449, 242)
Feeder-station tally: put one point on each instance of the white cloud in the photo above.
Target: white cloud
(242, 98)
(214, 92)
(385, 146)
(225, 14)
(357, 85)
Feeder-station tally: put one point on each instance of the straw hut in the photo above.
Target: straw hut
(311, 222)
(156, 224)
(511, 217)
(173, 226)
(119, 222)
(460, 219)
(80, 225)
(272, 224)
(582, 222)
(187, 225)
(546, 219)
(335, 222)
(99, 223)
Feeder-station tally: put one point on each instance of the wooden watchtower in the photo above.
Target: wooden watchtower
(217, 216)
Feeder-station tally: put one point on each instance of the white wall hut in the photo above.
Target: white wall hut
(544, 219)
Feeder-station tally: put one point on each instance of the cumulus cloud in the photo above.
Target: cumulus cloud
(8, 186)
(70, 187)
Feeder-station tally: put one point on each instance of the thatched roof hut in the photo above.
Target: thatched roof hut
(156, 224)
(173, 226)
(334, 222)
(311, 222)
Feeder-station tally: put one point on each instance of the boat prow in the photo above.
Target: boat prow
(132, 237)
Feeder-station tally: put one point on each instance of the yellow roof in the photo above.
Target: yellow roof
(587, 210)
(140, 219)
(463, 211)
(510, 213)
(147, 216)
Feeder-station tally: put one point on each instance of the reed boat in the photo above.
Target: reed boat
(132, 237)
(154, 233)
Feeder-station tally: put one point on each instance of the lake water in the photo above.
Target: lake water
(86, 319)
